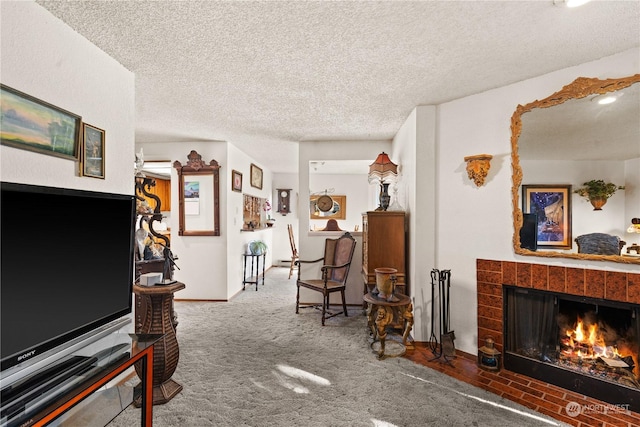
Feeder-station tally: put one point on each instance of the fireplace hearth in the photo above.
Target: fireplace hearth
(583, 344)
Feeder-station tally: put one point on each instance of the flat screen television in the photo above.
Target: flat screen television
(67, 259)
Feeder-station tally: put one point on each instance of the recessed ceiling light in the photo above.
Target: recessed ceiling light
(576, 3)
(604, 99)
(607, 100)
(570, 3)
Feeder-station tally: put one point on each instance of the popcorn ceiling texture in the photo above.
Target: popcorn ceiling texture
(266, 75)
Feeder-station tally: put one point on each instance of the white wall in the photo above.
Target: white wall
(237, 240)
(357, 189)
(211, 267)
(312, 243)
(475, 222)
(44, 58)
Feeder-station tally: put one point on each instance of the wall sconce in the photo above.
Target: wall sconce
(379, 171)
(478, 167)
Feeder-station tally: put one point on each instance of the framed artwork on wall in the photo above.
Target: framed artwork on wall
(31, 124)
(92, 155)
(256, 177)
(552, 206)
(236, 181)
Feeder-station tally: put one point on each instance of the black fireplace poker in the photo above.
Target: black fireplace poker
(446, 349)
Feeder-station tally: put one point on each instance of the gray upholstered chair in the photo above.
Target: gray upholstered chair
(334, 272)
(599, 244)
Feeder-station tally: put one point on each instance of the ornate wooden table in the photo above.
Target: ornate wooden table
(155, 315)
(382, 313)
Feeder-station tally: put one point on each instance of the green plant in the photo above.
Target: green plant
(597, 188)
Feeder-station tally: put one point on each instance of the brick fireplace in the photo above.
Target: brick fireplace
(617, 287)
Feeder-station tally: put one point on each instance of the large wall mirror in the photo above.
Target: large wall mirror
(569, 138)
(198, 196)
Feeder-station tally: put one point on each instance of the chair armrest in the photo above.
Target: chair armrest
(327, 266)
(308, 261)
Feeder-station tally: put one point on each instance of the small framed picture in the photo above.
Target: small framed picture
(552, 206)
(256, 177)
(92, 155)
(236, 181)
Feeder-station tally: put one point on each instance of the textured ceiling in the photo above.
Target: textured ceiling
(267, 75)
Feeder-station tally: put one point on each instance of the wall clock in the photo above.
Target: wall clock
(284, 201)
(324, 203)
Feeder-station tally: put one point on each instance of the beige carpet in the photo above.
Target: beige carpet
(254, 362)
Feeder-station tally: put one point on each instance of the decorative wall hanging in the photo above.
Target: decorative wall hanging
(552, 206)
(92, 153)
(478, 167)
(256, 176)
(31, 124)
(198, 196)
(236, 181)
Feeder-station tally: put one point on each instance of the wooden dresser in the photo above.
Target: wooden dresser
(384, 245)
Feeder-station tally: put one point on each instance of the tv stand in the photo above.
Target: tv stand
(83, 376)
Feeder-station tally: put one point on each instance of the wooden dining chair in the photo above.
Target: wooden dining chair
(334, 272)
(294, 250)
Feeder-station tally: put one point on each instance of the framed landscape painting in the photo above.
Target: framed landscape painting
(35, 125)
(552, 206)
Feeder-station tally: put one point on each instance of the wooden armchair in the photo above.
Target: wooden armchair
(334, 272)
(294, 251)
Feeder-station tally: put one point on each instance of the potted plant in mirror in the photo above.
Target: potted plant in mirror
(598, 192)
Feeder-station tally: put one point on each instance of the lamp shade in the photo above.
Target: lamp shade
(382, 168)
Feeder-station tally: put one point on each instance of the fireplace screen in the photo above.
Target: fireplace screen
(596, 339)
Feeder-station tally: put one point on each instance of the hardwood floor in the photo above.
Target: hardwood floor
(540, 396)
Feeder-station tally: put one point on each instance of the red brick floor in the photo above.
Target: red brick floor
(537, 395)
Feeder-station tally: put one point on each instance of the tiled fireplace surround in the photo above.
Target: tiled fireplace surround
(616, 286)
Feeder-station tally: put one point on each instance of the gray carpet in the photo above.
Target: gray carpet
(254, 362)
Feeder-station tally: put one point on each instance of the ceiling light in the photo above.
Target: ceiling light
(607, 100)
(576, 3)
(570, 3)
(604, 99)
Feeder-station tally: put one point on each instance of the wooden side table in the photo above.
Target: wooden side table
(155, 315)
(254, 261)
(381, 313)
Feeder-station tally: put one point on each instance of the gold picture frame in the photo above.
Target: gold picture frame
(92, 153)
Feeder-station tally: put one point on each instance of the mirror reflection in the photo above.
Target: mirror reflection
(345, 181)
(572, 137)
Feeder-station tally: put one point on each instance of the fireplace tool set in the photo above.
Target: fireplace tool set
(441, 282)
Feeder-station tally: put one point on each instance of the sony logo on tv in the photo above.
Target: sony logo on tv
(26, 355)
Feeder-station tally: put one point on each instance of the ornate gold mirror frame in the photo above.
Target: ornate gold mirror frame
(198, 196)
(579, 88)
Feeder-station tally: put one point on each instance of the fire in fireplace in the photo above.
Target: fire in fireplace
(582, 344)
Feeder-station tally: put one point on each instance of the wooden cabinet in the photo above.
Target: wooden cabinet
(162, 189)
(384, 245)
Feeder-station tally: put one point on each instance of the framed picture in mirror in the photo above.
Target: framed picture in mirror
(551, 205)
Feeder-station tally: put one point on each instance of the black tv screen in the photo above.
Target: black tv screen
(67, 266)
